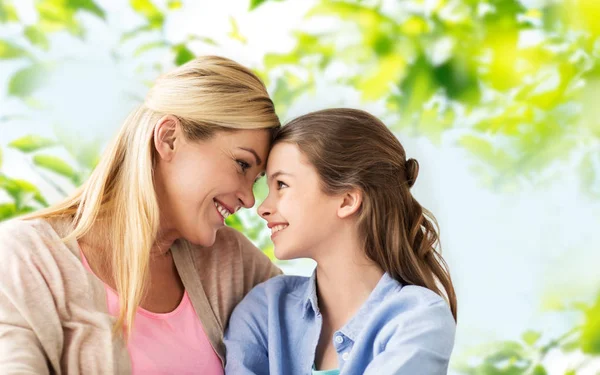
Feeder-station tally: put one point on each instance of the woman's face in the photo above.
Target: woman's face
(200, 183)
(301, 217)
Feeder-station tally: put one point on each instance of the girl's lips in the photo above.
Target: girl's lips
(279, 227)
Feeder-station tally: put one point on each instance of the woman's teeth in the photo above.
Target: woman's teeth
(222, 210)
(277, 228)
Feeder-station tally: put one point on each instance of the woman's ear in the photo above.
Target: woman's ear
(350, 203)
(166, 132)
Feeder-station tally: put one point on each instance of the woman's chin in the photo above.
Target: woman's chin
(206, 238)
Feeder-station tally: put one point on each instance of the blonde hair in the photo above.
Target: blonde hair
(207, 94)
(352, 149)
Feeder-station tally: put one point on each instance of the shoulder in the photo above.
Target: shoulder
(288, 284)
(18, 227)
(35, 246)
(238, 244)
(28, 257)
(231, 252)
(272, 298)
(250, 265)
(410, 301)
(282, 285)
(282, 289)
(418, 297)
(20, 238)
(416, 313)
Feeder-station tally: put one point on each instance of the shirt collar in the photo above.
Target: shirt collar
(310, 296)
(385, 285)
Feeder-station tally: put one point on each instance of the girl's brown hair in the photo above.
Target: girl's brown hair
(352, 149)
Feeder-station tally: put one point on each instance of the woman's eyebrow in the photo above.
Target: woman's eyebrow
(250, 150)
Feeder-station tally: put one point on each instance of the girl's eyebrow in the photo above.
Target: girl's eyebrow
(279, 173)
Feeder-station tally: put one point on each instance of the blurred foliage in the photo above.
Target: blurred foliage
(53, 170)
(514, 86)
(511, 85)
(528, 355)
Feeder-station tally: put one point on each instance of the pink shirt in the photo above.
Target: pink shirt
(171, 343)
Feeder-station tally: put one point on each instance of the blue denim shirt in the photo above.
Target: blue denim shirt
(399, 330)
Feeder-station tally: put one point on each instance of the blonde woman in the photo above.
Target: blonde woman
(136, 272)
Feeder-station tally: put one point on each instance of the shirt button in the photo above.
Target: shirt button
(339, 339)
(345, 356)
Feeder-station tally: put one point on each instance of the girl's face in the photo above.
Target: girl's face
(301, 217)
(200, 183)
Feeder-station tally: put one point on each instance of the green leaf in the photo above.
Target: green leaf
(234, 222)
(7, 211)
(570, 346)
(590, 333)
(287, 88)
(37, 37)
(485, 151)
(1, 158)
(146, 8)
(508, 350)
(234, 33)
(203, 39)
(88, 6)
(56, 165)
(21, 191)
(27, 80)
(10, 50)
(133, 33)
(31, 143)
(255, 3)
(149, 46)
(368, 18)
(539, 370)
(378, 82)
(56, 15)
(86, 153)
(174, 4)
(7, 12)
(531, 337)
(182, 54)
(34, 103)
(458, 78)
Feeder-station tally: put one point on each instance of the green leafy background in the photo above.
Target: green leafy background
(499, 100)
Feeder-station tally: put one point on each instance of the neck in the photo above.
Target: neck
(96, 247)
(165, 239)
(345, 278)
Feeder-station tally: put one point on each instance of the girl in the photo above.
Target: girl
(381, 300)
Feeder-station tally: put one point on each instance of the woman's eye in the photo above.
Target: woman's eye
(245, 166)
(281, 185)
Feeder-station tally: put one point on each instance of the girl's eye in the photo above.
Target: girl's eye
(281, 185)
(245, 166)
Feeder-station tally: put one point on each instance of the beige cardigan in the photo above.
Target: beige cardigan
(53, 312)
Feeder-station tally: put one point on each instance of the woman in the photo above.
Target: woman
(135, 272)
(339, 193)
